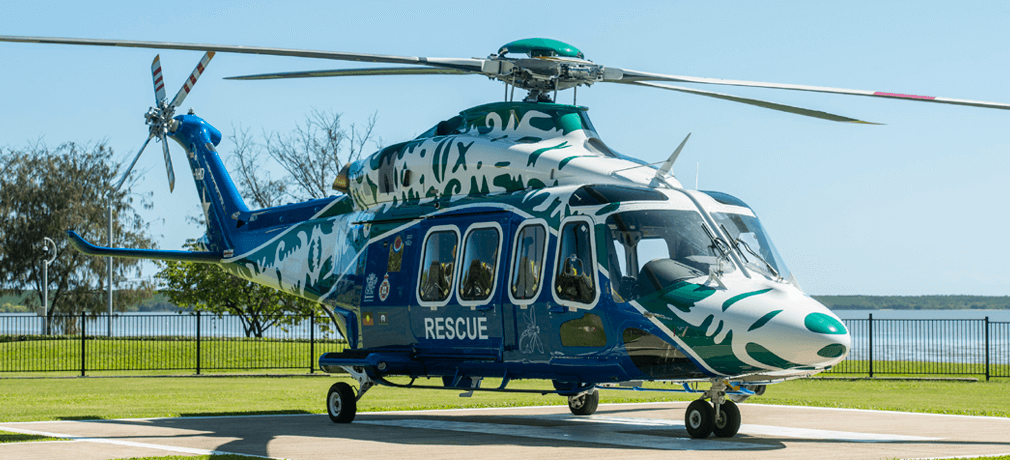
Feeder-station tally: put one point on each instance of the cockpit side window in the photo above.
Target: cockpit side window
(573, 278)
(651, 250)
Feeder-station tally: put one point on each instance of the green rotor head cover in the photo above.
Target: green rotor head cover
(535, 47)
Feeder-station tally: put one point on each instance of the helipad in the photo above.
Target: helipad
(637, 431)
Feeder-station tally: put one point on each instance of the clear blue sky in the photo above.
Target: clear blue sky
(917, 206)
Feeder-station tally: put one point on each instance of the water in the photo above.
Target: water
(940, 336)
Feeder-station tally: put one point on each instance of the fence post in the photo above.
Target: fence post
(986, 348)
(198, 342)
(83, 333)
(311, 343)
(871, 345)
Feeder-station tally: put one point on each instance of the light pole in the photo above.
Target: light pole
(46, 242)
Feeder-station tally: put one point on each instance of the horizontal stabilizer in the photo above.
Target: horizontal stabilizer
(85, 247)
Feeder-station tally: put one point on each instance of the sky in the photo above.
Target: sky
(915, 206)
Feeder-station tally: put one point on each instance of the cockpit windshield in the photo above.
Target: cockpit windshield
(754, 247)
(651, 249)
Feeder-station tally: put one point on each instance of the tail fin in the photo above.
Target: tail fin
(222, 204)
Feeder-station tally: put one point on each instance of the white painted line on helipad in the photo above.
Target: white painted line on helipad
(881, 411)
(762, 430)
(571, 433)
(120, 442)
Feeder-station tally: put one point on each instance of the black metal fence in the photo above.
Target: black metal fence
(927, 347)
(156, 342)
(199, 342)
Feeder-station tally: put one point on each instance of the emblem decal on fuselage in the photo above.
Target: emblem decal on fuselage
(370, 283)
(384, 287)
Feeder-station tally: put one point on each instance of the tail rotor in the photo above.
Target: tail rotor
(159, 118)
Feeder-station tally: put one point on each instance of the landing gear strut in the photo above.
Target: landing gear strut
(341, 402)
(701, 419)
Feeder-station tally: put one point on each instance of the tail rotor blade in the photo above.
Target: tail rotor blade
(133, 163)
(168, 163)
(188, 86)
(159, 82)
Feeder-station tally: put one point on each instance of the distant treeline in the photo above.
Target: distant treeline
(915, 302)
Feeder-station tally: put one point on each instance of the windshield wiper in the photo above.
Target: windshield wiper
(771, 269)
(737, 242)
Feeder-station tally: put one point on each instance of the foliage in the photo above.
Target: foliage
(43, 193)
(923, 302)
(207, 287)
(315, 151)
(312, 155)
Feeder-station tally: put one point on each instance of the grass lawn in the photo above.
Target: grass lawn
(102, 398)
(59, 353)
(7, 436)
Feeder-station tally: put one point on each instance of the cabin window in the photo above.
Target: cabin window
(437, 266)
(573, 279)
(480, 263)
(527, 264)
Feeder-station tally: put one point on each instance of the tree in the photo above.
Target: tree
(312, 155)
(43, 193)
(207, 287)
(314, 152)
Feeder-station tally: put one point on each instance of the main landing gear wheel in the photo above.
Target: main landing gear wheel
(341, 405)
(728, 422)
(584, 404)
(700, 419)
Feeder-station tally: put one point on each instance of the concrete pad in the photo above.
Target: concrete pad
(638, 431)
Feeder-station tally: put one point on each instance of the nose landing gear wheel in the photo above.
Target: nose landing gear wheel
(728, 422)
(341, 405)
(700, 419)
(584, 404)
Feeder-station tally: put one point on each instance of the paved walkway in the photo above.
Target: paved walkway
(637, 431)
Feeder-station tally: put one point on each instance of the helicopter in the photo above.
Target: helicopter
(511, 242)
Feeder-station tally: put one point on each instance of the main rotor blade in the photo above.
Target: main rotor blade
(133, 163)
(159, 81)
(757, 102)
(168, 164)
(456, 63)
(188, 85)
(632, 76)
(355, 73)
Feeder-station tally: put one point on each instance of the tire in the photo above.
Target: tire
(728, 422)
(699, 419)
(584, 404)
(341, 405)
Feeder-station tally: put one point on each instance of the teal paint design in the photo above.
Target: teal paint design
(532, 160)
(564, 162)
(832, 351)
(764, 320)
(501, 164)
(740, 297)
(824, 324)
(461, 161)
(766, 357)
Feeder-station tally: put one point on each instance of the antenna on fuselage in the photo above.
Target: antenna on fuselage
(665, 169)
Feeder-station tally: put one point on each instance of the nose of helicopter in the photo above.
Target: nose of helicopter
(791, 331)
